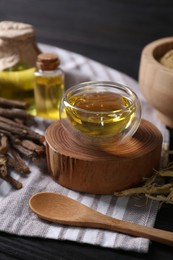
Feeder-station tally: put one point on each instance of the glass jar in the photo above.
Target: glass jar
(18, 54)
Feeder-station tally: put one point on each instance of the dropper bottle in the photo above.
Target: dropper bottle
(49, 86)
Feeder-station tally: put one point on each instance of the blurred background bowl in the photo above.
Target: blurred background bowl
(156, 79)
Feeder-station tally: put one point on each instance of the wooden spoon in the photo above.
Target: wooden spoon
(63, 210)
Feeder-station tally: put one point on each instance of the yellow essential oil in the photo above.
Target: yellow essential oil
(18, 83)
(49, 86)
(112, 113)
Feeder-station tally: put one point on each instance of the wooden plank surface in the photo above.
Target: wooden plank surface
(113, 32)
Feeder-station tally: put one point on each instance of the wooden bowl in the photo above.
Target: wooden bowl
(156, 80)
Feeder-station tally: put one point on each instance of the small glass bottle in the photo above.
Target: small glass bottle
(49, 86)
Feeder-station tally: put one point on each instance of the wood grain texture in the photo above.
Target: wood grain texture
(103, 170)
(61, 209)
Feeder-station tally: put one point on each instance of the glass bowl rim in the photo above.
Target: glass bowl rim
(131, 93)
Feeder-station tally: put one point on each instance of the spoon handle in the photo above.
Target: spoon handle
(158, 235)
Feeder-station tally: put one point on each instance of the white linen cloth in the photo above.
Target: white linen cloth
(17, 217)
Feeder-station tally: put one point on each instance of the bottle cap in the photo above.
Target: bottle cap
(48, 61)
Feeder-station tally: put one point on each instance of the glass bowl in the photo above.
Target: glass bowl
(100, 113)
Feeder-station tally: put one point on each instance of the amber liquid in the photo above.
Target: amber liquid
(48, 93)
(18, 85)
(111, 113)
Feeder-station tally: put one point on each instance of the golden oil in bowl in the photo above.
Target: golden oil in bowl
(105, 103)
(100, 112)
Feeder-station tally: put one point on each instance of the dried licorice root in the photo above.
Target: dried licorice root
(158, 187)
(17, 140)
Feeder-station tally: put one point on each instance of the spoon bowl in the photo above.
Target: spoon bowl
(61, 209)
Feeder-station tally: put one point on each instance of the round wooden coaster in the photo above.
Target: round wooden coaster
(102, 170)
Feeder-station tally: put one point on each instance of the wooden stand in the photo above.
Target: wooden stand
(102, 170)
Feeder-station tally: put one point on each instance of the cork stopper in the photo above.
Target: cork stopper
(47, 61)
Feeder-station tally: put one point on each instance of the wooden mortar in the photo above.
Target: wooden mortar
(102, 170)
(156, 80)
